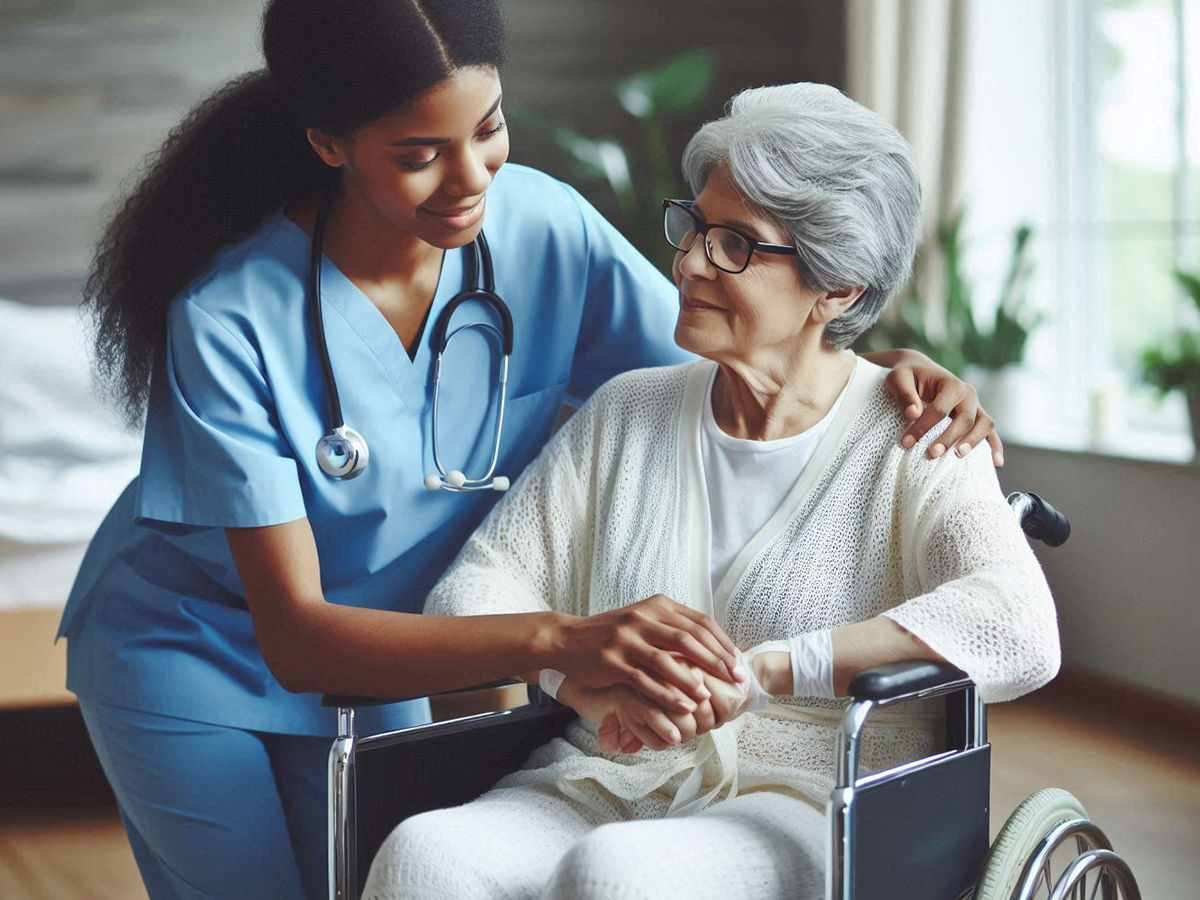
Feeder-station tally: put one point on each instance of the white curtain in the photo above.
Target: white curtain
(905, 59)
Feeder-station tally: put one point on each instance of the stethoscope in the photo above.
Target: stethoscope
(342, 452)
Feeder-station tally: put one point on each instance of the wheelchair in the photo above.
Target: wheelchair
(917, 831)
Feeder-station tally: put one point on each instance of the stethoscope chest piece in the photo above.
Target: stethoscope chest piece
(342, 453)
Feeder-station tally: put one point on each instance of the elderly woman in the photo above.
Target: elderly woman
(766, 486)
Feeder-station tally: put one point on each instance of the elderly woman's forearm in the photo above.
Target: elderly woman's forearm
(872, 643)
(855, 648)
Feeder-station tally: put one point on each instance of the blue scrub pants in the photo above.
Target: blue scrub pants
(215, 812)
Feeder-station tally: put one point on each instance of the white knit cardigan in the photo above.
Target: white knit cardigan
(615, 509)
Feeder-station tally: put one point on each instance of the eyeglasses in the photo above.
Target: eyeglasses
(726, 248)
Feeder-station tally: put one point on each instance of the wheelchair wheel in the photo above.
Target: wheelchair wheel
(1016, 849)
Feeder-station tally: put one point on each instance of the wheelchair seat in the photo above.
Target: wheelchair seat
(916, 831)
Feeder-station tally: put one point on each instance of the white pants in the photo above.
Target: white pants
(524, 842)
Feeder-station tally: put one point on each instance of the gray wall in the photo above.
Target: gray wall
(87, 87)
(1127, 583)
(566, 57)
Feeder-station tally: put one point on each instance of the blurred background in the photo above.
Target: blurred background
(1059, 148)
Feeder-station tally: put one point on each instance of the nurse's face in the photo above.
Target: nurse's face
(425, 168)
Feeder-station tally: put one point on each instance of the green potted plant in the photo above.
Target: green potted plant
(986, 354)
(1173, 364)
(639, 172)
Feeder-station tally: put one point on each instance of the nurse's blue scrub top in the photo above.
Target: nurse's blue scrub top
(156, 620)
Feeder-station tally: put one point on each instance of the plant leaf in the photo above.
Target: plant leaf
(603, 157)
(1190, 283)
(679, 84)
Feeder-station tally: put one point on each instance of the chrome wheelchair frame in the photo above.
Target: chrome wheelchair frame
(942, 799)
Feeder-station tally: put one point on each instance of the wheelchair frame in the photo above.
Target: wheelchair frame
(468, 755)
(942, 799)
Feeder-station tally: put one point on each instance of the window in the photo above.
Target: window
(1084, 117)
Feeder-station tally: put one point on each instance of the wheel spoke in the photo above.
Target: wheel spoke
(1079, 892)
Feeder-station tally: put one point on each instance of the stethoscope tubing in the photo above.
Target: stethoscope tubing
(471, 484)
(333, 401)
(342, 452)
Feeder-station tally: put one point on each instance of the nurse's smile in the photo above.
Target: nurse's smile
(459, 219)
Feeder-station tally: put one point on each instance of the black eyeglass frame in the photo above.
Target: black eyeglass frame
(703, 228)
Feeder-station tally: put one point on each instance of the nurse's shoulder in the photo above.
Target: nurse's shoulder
(251, 285)
(523, 199)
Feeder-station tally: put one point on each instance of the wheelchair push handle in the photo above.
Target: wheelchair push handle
(1039, 519)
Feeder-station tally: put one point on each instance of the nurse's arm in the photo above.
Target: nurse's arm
(311, 645)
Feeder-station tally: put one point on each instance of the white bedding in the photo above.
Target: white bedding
(64, 456)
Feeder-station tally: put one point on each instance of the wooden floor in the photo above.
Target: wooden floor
(1133, 762)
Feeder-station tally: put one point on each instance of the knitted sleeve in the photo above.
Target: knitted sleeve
(530, 552)
(983, 602)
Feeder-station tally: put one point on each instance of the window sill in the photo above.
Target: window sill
(1144, 447)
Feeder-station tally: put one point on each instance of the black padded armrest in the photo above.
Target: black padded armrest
(898, 679)
(342, 701)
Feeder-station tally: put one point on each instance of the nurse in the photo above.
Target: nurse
(234, 580)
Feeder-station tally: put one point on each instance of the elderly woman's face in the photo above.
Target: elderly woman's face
(738, 318)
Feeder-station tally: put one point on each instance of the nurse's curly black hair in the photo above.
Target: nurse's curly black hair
(242, 153)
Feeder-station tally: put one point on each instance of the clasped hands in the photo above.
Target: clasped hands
(628, 721)
(657, 673)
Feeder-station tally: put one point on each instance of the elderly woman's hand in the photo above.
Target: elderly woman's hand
(627, 721)
(927, 393)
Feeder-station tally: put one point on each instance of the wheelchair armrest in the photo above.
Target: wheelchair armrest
(344, 701)
(906, 680)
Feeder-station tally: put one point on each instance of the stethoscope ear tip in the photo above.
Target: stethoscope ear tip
(432, 482)
(456, 478)
(499, 483)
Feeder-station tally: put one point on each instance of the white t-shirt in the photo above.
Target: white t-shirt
(747, 480)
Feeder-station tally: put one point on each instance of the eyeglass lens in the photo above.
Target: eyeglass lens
(726, 249)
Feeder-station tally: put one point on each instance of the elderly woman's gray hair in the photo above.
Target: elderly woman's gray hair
(838, 177)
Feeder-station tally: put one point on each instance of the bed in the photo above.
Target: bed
(64, 458)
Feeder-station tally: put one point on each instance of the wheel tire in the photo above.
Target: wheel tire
(1036, 815)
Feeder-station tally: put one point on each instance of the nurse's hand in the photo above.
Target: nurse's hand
(646, 646)
(926, 393)
(728, 701)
